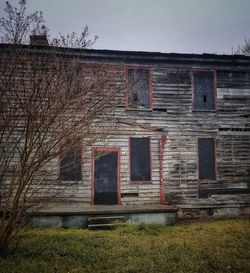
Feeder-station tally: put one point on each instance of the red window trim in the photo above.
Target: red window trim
(150, 163)
(150, 87)
(215, 88)
(206, 181)
(105, 149)
(161, 144)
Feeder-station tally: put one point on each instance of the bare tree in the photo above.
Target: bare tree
(74, 40)
(17, 25)
(244, 49)
(50, 106)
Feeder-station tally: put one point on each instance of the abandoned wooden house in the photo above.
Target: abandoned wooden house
(181, 142)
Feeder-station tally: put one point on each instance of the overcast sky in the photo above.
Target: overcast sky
(186, 26)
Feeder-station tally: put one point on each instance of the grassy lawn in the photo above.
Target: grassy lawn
(213, 246)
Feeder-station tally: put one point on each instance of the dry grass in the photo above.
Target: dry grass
(215, 246)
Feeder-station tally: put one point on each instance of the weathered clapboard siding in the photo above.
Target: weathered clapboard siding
(182, 127)
(172, 116)
(181, 181)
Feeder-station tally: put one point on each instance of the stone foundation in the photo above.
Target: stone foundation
(203, 213)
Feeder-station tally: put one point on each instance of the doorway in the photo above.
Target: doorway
(106, 180)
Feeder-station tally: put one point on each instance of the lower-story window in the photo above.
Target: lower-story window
(70, 166)
(140, 162)
(206, 159)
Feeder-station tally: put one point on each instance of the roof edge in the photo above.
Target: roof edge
(123, 53)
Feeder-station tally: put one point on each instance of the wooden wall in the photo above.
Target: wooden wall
(172, 116)
(181, 181)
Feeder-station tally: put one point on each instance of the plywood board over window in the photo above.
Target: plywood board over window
(139, 88)
(140, 161)
(70, 166)
(206, 159)
(204, 90)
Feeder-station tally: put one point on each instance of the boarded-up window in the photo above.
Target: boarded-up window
(206, 158)
(70, 167)
(204, 93)
(139, 88)
(140, 169)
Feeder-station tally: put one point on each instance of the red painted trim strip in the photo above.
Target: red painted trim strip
(162, 142)
(92, 176)
(126, 88)
(150, 158)
(215, 90)
(150, 90)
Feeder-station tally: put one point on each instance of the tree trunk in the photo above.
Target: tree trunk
(4, 246)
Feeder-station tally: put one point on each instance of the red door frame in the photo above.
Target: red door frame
(105, 149)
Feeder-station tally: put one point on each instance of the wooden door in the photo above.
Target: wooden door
(106, 177)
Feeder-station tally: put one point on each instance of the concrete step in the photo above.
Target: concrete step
(101, 226)
(105, 220)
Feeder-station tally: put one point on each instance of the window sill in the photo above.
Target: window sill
(69, 181)
(140, 182)
(201, 110)
(138, 110)
(207, 181)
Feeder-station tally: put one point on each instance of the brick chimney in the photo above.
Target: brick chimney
(39, 40)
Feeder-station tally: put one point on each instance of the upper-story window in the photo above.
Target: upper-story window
(204, 90)
(139, 88)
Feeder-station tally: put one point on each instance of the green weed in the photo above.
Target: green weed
(201, 247)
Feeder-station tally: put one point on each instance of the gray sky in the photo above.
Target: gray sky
(186, 26)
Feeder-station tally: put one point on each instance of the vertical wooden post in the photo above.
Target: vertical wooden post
(162, 142)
